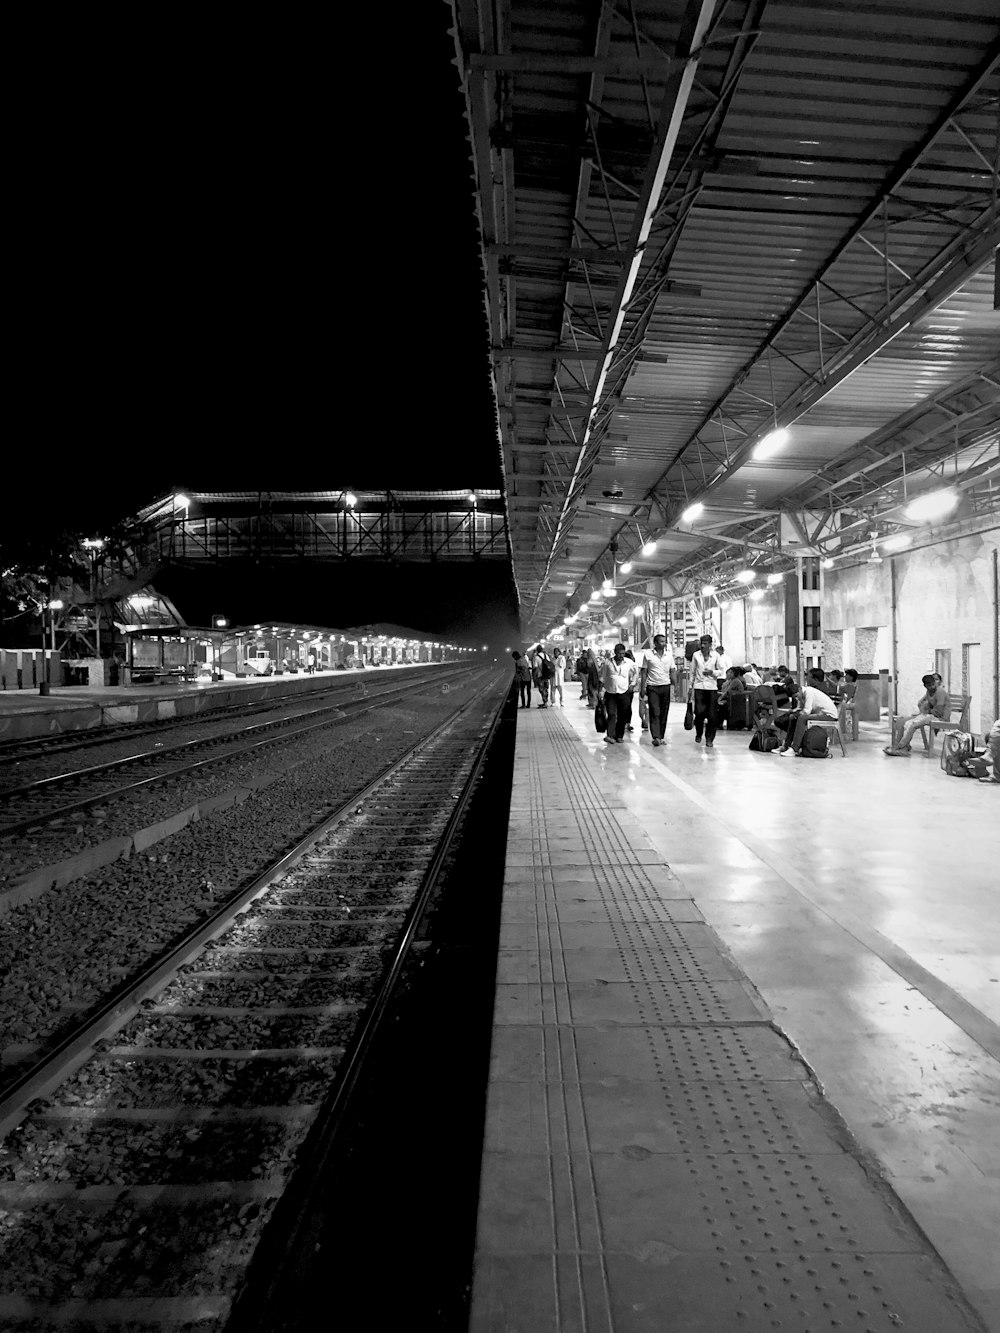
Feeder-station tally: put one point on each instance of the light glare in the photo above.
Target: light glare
(931, 506)
(771, 443)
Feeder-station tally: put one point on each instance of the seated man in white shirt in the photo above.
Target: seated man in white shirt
(815, 703)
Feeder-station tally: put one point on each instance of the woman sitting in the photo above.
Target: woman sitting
(732, 685)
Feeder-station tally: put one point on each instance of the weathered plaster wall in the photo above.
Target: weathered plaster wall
(944, 603)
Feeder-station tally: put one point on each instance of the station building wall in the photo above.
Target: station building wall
(945, 620)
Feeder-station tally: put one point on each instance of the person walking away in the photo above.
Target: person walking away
(618, 676)
(706, 672)
(522, 674)
(559, 667)
(933, 703)
(535, 658)
(815, 703)
(546, 671)
(593, 678)
(656, 676)
(581, 674)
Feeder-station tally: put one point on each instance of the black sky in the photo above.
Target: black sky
(250, 261)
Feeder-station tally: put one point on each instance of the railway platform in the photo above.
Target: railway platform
(25, 714)
(744, 1069)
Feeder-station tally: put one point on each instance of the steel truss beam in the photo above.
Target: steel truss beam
(623, 323)
(885, 310)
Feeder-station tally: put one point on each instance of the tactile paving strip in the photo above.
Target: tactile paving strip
(657, 1157)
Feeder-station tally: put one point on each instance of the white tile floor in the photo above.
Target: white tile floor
(862, 898)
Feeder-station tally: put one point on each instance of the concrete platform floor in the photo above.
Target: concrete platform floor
(860, 897)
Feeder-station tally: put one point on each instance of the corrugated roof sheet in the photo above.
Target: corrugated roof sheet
(821, 254)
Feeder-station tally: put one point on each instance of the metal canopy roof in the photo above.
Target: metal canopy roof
(703, 221)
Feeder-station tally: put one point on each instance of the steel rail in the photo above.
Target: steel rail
(291, 1227)
(30, 746)
(356, 708)
(124, 1002)
(159, 752)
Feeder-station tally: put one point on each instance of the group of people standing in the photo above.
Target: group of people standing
(547, 674)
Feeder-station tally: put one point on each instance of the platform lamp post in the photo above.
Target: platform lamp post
(218, 622)
(51, 607)
(94, 546)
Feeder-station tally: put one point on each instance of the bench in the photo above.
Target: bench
(957, 720)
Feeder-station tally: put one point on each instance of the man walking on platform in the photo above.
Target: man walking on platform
(618, 681)
(655, 679)
(706, 672)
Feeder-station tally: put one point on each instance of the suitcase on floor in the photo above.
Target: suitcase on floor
(739, 712)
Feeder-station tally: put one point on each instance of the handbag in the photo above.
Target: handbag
(689, 715)
(600, 716)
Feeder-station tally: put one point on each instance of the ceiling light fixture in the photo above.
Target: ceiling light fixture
(897, 542)
(746, 576)
(708, 589)
(934, 505)
(693, 512)
(756, 594)
(649, 548)
(775, 578)
(626, 568)
(770, 444)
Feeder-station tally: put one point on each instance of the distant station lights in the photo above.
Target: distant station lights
(350, 499)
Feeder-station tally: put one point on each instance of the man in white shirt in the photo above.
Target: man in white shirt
(706, 672)
(724, 659)
(815, 703)
(655, 679)
(618, 676)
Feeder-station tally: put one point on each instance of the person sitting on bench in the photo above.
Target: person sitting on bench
(934, 703)
(815, 703)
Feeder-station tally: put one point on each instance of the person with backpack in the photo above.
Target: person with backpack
(815, 703)
(581, 674)
(544, 670)
(933, 703)
(522, 674)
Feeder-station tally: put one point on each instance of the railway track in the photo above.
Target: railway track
(145, 1154)
(59, 796)
(41, 748)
